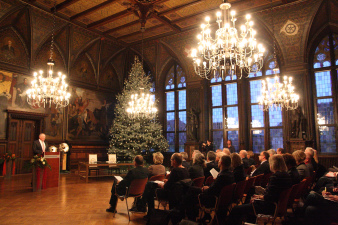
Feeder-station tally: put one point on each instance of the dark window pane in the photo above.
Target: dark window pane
(335, 46)
(169, 82)
(322, 54)
(232, 117)
(327, 139)
(257, 141)
(180, 77)
(170, 101)
(232, 94)
(217, 118)
(217, 139)
(276, 138)
(275, 117)
(255, 90)
(182, 100)
(257, 116)
(182, 139)
(182, 123)
(216, 93)
(325, 111)
(323, 83)
(171, 141)
(233, 136)
(171, 121)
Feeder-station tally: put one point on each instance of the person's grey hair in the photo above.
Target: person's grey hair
(197, 151)
(271, 152)
(244, 153)
(226, 151)
(211, 155)
(199, 159)
(220, 154)
(310, 151)
(158, 158)
(42, 134)
(277, 163)
(184, 155)
(299, 156)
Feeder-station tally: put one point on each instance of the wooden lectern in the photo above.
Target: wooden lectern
(53, 175)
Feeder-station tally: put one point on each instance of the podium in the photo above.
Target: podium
(53, 175)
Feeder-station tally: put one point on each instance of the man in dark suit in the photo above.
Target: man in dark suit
(230, 146)
(243, 154)
(211, 157)
(40, 146)
(264, 168)
(139, 172)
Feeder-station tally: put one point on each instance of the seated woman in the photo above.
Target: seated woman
(303, 170)
(237, 167)
(291, 165)
(198, 165)
(279, 181)
(157, 168)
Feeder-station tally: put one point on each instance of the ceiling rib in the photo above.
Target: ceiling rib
(122, 26)
(166, 22)
(64, 4)
(139, 32)
(109, 19)
(91, 10)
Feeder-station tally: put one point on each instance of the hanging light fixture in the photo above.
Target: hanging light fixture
(230, 48)
(276, 93)
(48, 91)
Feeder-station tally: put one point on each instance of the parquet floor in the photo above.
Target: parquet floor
(73, 202)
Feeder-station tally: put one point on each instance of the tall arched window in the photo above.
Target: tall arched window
(176, 105)
(325, 65)
(266, 128)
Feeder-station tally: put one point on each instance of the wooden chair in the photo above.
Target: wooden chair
(239, 191)
(199, 181)
(248, 170)
(92, 158)
(223, 201)
(258, 180)
(157, 177)
(294, 194)
(281, 207)
(209, 181)
(265, 179)
(135, 189)
(250, 183)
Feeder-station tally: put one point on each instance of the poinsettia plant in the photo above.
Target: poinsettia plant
(7, 157)
(39, 161)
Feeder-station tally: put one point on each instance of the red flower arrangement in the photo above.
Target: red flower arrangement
(5, 158)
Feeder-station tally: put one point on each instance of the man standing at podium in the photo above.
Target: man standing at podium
(40, 146)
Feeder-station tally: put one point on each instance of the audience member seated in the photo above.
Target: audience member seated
(184, 162)
(264, 167)
(271, 152)
(226, 151)
(157, 168)
(321, 208)
(251, 159)
(313, 156)
(237, 167)
(197, 168)
(303, 170)
(219, 150)
(264, 204)
(218, 157)
(308, 163)
(329, 180)
(280, 151)
(243, 154)
(291, 165)
(139, 172)
(210, 164)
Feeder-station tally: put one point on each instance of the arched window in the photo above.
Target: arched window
(176, 105)
(266, 128)
(325, 65)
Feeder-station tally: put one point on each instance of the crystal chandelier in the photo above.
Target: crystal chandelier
(48, 91)
(141, 105)
(230, 49)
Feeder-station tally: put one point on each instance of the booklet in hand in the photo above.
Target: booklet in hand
(214, 173)
(118, 178)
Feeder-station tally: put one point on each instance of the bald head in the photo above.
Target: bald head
(42, 137)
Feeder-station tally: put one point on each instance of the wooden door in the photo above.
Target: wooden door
(20, 141)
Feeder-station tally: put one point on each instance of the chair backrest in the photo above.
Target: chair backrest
(306, 186)
(225, 197)
(137, 187)
(239, 190)
(198, 182)
(250, 182)
(248, 170)
(92, 159)
(209, 180)
(157, 177)
(300, 189)
(265, 179)
(258, 180)
(294, 192)
(283, 203)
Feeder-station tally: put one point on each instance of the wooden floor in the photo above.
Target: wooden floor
(73, 202)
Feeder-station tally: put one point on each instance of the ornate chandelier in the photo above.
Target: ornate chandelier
(230, 49)
(48, 91)
(141, 105)
(278, 94)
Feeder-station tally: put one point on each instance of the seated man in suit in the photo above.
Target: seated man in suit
(139, 172)
(243, 154)
(264, 167)
(211, 157)
(40, 146)
(184, 160)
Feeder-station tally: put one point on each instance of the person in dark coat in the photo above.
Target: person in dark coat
(251, 159)
(303, 170)
(139, 172)
(230, 146)
(184, 162)
(291, 165)
(264, 167)
(210, 164)
(279, 182)
(198, 165)
(237, 167)
(244, 156)
(40, 146)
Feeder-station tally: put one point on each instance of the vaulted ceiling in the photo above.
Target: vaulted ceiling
(121, 19)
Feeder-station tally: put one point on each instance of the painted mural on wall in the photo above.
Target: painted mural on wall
(90, 115)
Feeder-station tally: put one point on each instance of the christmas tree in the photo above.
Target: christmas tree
(132, 135)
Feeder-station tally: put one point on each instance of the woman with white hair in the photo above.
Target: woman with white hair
(198, 165)
(157, 168)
